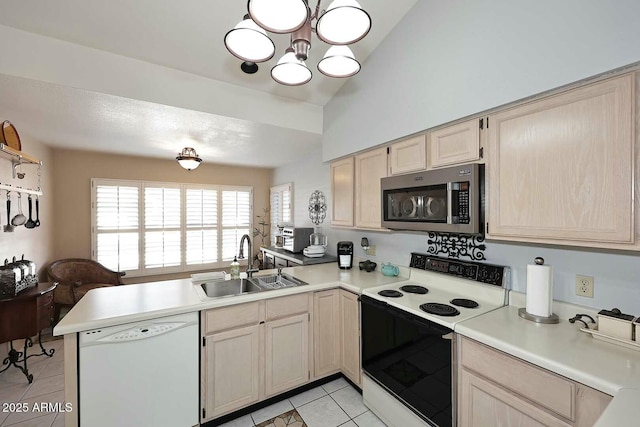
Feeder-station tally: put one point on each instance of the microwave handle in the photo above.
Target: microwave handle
(449, 202)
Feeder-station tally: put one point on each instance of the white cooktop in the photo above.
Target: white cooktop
(442, 289)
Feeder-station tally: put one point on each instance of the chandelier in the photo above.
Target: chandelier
(344, 22)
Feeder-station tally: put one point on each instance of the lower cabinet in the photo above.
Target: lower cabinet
(350, 336)
(337, 334)
(232, 365)
(287, 354)
(326, 332)
(253, 351)
(497, 389)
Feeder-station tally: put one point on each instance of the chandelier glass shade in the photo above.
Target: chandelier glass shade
(249, 42)
(339, 62)
(285, 17)
(290, 70)
(343, 23)
(189, 159)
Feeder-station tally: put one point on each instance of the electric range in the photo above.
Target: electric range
(408, 345)
(448, 284)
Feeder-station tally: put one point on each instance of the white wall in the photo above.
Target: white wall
(450, 59)
(616, 274)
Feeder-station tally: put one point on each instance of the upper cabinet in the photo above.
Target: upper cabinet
(407, 156)
(561, 168)
(371, 166)
(455, 144)
(355, 186)
(342, 177)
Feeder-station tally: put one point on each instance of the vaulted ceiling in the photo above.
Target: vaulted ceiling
(148, 77)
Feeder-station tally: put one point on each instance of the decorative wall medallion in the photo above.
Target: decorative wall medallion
(457, 245)
(317, 207)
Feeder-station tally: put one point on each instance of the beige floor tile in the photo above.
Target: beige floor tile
(14, 376)
(335, 385)
(350, 401)
(368, 419)
(323, 412)
(45, 386)
(52, 368)
(59, 422)
(44, 421)
(307, 396)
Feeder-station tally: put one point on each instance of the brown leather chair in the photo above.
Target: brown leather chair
(76, 277)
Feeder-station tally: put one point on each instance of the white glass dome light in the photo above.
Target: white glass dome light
(343, 23)
(291, 71)
(189, 159)
(339, 62)
(282, 16)
(249, 42)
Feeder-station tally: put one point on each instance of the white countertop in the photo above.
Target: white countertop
(565, 350)
(117, 305)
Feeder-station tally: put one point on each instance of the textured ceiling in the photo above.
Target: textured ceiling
(185, 36)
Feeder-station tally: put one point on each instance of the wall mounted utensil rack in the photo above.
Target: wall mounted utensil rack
(19, 158)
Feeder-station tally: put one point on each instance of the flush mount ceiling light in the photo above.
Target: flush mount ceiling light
(344, 22)
(189, 159)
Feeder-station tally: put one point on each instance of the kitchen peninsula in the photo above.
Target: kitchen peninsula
(562, 349)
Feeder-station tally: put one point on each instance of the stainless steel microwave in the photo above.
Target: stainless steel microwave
(441, 200)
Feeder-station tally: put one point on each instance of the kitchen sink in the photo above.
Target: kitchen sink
(236, 287)
(230, 287)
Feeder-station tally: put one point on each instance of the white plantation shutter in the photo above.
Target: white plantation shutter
(281, 205)
(153, 228)
(162, 212)
(202, 226)
(116, 226)
(236, 220)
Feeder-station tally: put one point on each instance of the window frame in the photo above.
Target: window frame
(141, 229)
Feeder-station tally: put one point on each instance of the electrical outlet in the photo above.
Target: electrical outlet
(584, 286)
(371, 251)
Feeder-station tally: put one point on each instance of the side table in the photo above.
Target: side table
(22, 317)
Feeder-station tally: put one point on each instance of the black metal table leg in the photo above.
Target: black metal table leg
(16, 357)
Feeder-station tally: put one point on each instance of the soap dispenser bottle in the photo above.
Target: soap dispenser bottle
(235, 268)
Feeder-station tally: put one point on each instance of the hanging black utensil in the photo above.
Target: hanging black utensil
(8, 228)
(30, 222)
(37, 211)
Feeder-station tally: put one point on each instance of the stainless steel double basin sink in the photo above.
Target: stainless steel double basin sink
(250, 285)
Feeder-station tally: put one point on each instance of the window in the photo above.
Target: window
(281, 200)
(149, 228)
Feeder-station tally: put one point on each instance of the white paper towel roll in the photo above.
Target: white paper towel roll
(539, 289)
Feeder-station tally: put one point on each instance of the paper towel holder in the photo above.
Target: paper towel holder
(522, 312)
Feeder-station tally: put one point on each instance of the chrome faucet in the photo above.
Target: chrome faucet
(250, 269)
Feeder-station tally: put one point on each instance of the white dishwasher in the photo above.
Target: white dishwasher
(140, 374)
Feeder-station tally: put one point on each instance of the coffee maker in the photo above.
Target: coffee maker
(345, 255)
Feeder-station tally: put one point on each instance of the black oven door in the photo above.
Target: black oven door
(411, 357)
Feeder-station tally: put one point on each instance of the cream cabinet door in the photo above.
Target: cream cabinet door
(287, 353)
(482, 404)
(342, 177)
(561, 169)
(326, 332)
(407, 156)
(453, 145)
(371, 166)
(350, 336)
(231, 370)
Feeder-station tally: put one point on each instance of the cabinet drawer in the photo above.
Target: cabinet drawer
(219, 319)
(287, 306)
(45, 316)
(538, 385)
